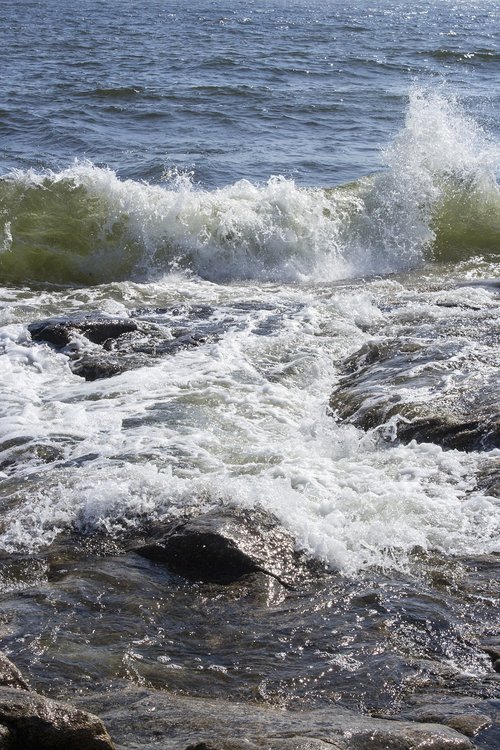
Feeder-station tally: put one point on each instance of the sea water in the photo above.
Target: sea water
(316, 176)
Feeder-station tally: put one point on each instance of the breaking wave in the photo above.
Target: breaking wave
(438, 199)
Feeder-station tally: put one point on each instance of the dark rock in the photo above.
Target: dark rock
(468, 724)
(491, 646)
(92, 367)
(39, 723)
(225, 544)
(488, 476)
(61, 331)
(369, 396)
(116, 345)
(6, 738)
(183, 722)
(10, 676)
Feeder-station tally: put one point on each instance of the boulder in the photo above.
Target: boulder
(6, 738)
(39, 723)
(61, 331)
(225, 544)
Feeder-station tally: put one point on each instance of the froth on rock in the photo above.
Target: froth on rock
(402, 387)
(99, 346)
(223, 545)
(29, 721)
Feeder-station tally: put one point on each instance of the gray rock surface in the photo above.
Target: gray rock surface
(10, 676)
(172, 722)
(99, 346)
(6, 738)
(387, 384)
(39, 723)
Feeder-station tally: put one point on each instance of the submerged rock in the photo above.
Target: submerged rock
(29, 721)
(61, 331)
(6, 738)
(403, 386)
(488, 476)
(225, 544)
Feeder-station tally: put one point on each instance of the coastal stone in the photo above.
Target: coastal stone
(468, 724)
(174, 721)
(39, 723)
(116, 345)
(386, 385)
(491, 646)
(488, 477)
(92, 367)
(225, 544)
(10, 675)
(61, 331)
(274, 743)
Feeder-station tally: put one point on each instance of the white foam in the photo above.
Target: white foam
(242, 421)
(279, 231)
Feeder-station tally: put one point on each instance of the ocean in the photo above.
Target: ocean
(302, 198)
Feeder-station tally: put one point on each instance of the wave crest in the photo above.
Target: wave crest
(438, 198)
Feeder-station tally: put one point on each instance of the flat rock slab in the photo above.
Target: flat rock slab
(38, 723)
(147, 719)
(225, 544)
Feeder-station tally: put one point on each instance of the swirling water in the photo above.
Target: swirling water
(314, 176)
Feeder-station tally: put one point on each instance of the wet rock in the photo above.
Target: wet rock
(468, 724)
(488, 477)
(492, 647)
(386, 385)
(276, 743)
(174, 722)
(39, 723)
(61, 331)
(99, 346)
(10, 676)
(225, 544)
(92, 367)
(6, 738)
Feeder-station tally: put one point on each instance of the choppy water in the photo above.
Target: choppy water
(313, 177)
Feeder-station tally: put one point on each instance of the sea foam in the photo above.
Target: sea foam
(436, 198)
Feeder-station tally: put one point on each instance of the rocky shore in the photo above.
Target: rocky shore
(212, 631)
(226, 547)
